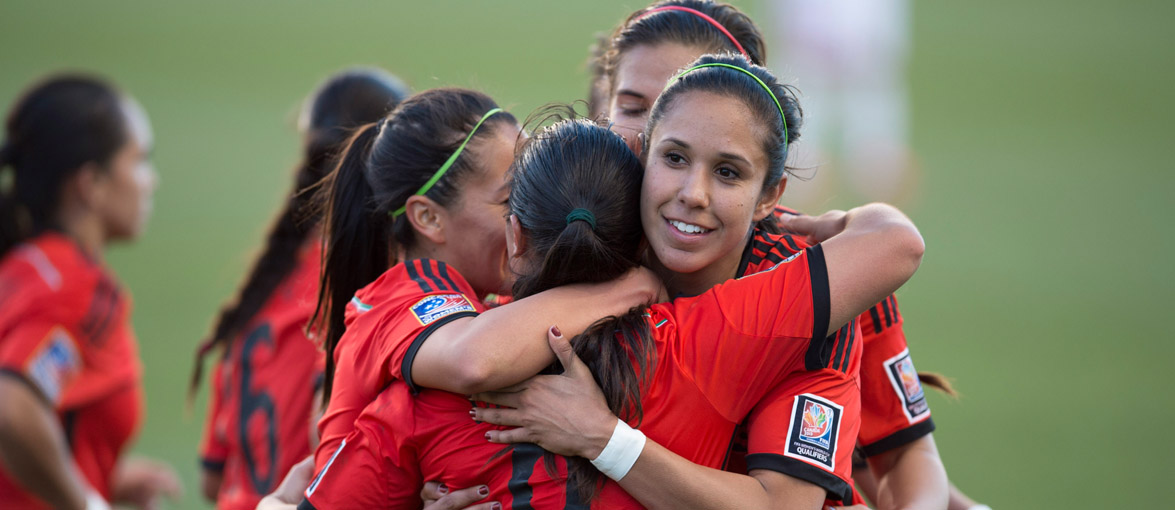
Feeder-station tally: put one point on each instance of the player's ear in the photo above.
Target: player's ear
(427, 218)
(768, 200)
(515, 241)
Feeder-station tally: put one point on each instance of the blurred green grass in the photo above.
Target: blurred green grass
(1042, 129)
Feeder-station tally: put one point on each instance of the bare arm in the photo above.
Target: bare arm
(870, 252)
(505, 345)
(210, 481)
(910, 477)
(33, 449)
(659, 478)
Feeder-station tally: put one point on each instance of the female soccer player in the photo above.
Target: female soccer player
(415, 215)
(70, 388)
(687, 371)
(267, 374)
(699, 203)
(633, 66)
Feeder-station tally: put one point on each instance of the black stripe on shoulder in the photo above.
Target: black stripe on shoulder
(888, 313)
(815, 358)
(836, 488)
(852, 331)
(900, 438)
(410, 355)
(443, 269)
(876, 319)
(426, 268)
(841, 339)
(745, 261)
(306, 505)
(893, 303)
(414, 274)
(791, 243)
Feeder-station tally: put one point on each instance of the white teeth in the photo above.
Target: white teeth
(687, 228)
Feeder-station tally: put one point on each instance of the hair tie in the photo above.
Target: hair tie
(748, 73)
(448, 163)
(702, 15)
(581, 214)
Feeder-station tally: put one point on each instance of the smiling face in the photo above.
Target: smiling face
(703, 189)
(640, 76)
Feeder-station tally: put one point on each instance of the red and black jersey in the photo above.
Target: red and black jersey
(258, 423)
(717, 355)
(65, 330)
(386, 323)
(894, 411)
(880, 347)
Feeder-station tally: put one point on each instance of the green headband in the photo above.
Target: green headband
(748, 73)
(448, 162)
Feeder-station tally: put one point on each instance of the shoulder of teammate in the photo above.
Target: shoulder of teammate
(789, 298)
(55, 302)
(765, 249)
(376, 465)
(881, 317)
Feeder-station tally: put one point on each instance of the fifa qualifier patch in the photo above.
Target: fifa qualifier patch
(55, 364)
(904, 379)
(812, 434)
(431, 308)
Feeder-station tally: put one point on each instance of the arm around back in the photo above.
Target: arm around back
(33, 449)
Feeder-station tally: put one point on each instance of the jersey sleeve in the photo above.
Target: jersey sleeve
(806, 428)
(894, 411)
(379, 348)
(45, 353)
(213, 447)
(741, 338)
(375, 466)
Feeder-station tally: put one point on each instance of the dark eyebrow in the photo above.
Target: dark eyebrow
(630, 92)
(677, 142)
(736, 157)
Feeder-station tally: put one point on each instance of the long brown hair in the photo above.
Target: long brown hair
(342, 103)
(383, 165)
(576, 165)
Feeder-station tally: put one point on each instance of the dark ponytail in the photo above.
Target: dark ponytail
(54, 129)
(778, 135)
(643, 28)
(345, 101)
(383, 165)
(576, 193)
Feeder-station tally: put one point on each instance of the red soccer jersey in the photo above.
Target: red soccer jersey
(386, 323)
(717, 355)
(258, 423)
(894, 411)
(65, 330)
(883, 424)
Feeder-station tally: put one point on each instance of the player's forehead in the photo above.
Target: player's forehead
(646, 68)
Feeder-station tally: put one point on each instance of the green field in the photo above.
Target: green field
(1041, 128)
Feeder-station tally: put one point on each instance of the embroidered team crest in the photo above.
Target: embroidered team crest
(431, 308)
(52, 368)
(815, 424)
(904, 379)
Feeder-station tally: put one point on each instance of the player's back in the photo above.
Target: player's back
(259, 424)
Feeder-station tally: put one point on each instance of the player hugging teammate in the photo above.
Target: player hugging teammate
(672, 337)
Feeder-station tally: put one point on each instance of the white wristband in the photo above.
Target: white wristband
(625, 445)
(94, 501)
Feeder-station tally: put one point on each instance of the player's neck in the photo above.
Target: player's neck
(85, 229)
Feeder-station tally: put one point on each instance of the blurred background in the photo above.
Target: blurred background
(1040, 131)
